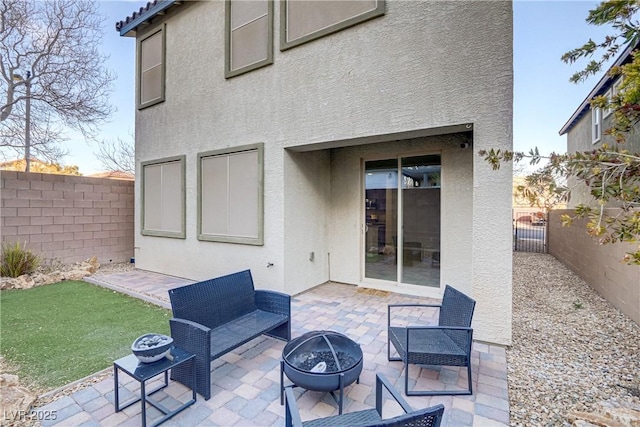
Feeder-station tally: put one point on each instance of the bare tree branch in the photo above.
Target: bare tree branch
(117, 155)
(53, 46)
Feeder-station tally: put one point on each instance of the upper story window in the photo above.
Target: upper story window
(230, 195)
(163, 197)
(596, 125)
(151, 68)
(611, 94)
(303, 21)
(248, 35)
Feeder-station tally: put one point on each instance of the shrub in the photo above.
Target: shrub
(17, 261)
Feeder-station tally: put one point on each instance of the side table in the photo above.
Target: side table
(142, 372)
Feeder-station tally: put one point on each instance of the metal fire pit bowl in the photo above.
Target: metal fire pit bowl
(321, 361)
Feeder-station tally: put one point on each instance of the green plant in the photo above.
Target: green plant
(17, 260)
(577, 304)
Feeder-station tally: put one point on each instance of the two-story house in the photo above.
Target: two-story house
(313, 141)
(587, 126)
(599, 265)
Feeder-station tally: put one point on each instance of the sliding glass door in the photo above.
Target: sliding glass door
(402, 220)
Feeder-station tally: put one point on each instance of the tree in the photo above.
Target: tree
(610, 172)
(117, 155)
(52, 74)
(42, 167)
(541, 190)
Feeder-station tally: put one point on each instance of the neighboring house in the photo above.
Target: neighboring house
(599, 265)
(307, 140)
(586, 128)
(114, 175)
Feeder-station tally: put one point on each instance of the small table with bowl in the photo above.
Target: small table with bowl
(146, 363)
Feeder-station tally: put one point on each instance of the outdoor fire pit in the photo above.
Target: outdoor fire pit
(321, 361)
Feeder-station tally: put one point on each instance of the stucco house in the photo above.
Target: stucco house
(586, 128)
(599, 265)
(313, 141)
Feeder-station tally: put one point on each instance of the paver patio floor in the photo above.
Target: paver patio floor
(246, 382)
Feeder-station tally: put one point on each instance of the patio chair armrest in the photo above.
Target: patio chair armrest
(414, 305)
(194, 338)
(449, 328)
(190, 335)
(381, 381)
(273, 302)
(292, 413)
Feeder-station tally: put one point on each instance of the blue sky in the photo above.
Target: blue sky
(544, 98)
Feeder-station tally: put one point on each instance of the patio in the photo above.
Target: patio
(245, 382)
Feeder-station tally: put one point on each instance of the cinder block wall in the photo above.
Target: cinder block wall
(68, 218)
(598, 265)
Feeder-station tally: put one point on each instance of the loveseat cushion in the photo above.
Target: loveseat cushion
(243, 329)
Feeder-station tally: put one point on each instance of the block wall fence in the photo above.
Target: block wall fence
(68, 218)
(598, 265)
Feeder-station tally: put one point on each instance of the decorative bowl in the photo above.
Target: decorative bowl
(150, 348)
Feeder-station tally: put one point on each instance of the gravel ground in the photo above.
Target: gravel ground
(114, 267)
(571, 348)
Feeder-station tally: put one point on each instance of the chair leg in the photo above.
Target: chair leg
(389, 358)
(281, 382)
(437, 392)
(406, 376)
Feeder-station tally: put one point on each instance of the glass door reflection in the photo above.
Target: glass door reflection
(381, 219)
(421, 220)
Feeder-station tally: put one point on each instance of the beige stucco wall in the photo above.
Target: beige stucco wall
(599, 265)
(423, 65)
(307, 199)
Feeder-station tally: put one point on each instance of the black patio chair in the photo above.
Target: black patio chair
(445, 344)
(428, 417)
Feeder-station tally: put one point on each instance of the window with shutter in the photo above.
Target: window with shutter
(249, 35)
(230, 196)
(151, 69)
(163, 197)
(303, 21)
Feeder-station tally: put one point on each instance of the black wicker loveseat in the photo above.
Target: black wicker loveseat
(213, 317)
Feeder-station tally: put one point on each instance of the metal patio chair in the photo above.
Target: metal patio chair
(445, 344)
(428, 417)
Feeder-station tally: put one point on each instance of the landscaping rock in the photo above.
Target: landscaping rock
(92, 265)
(21, 282)
(78, 274)
(574, 357)
(607, 415)
(47, 275)
(14, 398)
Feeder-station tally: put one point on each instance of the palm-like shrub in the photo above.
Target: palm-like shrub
(16, 260)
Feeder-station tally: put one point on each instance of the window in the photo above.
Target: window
(248, 35)
(151, 69)
(230, 195)
(163, 197)
(596, 125)
(611, 95)
(303, 21)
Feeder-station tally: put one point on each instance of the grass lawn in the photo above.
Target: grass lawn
(59, 333)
